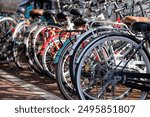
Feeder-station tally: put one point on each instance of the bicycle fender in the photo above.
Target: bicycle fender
(92, 30)
(61, 50)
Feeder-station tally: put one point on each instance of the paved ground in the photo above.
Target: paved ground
(26, 85)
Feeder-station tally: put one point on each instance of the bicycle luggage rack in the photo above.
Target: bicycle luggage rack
(107, 26)
(9, 6)
(114, 25)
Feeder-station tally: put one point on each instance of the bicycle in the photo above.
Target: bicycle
(115, 66)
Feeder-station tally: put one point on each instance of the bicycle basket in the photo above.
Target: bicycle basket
(9, 6)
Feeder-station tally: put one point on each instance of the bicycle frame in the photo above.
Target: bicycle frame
(131, 79)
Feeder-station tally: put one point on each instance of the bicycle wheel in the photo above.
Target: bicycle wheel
(95, 78)
(48, 57)
(28, 46)
(7, 25)
(42, 37)
(62, 71)
(19, 47)
(81, 43)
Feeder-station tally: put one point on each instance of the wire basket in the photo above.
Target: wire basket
(9, 6)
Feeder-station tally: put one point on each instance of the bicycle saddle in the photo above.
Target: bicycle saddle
(63, 15)
(129, 20)
(66, 13)
(36, 13)
(21, 10)
(81, 21)
(140, 27)
(76, 12)
(50, 12)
